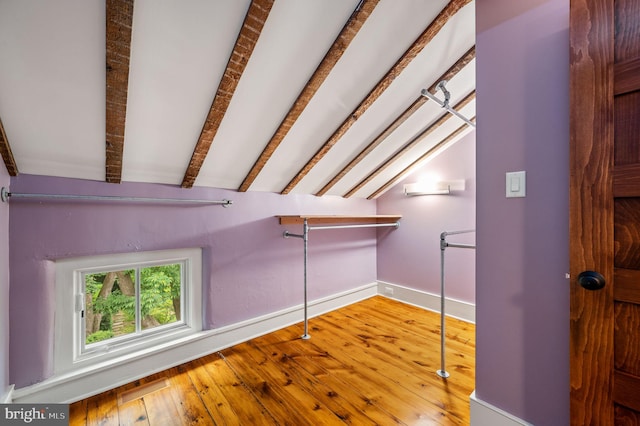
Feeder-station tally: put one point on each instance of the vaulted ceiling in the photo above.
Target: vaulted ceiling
(289, 96)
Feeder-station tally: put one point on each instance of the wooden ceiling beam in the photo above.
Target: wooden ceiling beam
(397, 178)
(421, 100)
(339, 46)
(254, 21)
(118, 39)
(427, 35)
(410, 144)
(7, 155)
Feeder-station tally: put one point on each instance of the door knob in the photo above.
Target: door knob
(591, 280)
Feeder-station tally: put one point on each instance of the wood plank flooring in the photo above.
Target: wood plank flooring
(372, 362)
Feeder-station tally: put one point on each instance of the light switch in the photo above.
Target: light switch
(516, 184)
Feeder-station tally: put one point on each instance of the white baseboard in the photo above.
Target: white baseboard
(485, 414)
(453, 308)
(69, 388)
(7, 398)
(75, 386)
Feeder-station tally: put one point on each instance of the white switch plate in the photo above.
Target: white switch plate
(516, 184)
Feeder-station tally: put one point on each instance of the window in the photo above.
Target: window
(114, 305)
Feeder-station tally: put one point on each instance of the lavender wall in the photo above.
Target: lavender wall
(410, 256)
(522, 296)
(249, 269)
(4, 287)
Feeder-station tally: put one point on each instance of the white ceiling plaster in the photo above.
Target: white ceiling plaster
(52, 85)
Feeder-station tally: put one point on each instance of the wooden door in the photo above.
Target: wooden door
(605, 211)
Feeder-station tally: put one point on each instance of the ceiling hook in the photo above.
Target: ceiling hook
(447, 94)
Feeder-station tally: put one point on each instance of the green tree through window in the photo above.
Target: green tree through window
(117, 306)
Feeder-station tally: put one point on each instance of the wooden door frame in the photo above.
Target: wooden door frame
(591, 237)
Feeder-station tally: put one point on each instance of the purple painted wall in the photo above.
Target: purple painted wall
(410, 256)
(4, 287)
(249, 268)
(522, 295)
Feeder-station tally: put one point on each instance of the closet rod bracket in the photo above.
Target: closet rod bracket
(445, 104)
(287, 234)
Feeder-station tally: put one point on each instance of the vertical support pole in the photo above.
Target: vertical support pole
(443, 245)
(305, 239)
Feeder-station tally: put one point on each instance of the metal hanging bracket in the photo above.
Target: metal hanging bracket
(288, 234)
(445, 104)
(447, 94)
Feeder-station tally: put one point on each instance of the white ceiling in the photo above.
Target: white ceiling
(52, 89)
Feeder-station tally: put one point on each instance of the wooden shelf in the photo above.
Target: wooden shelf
(336, 219)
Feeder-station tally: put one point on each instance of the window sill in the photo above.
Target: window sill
(141, 346)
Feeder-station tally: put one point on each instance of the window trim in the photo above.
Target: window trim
(68, 340)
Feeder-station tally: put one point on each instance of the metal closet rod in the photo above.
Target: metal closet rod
(466, 231)
(5, 195)
(288, 234)
(363, 225)
(444, 244)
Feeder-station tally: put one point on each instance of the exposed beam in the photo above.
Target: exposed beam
(7, 155)
(339, 46)
(421, 100)
(254, 21)
(429, 33)
(118, 36)
(397, 178)
(410, 144)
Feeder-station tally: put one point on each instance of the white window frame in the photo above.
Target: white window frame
(69, 350)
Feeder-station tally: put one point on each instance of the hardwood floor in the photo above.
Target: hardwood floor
(373, 362)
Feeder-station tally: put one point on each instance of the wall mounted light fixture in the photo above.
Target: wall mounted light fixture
(433, 188)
